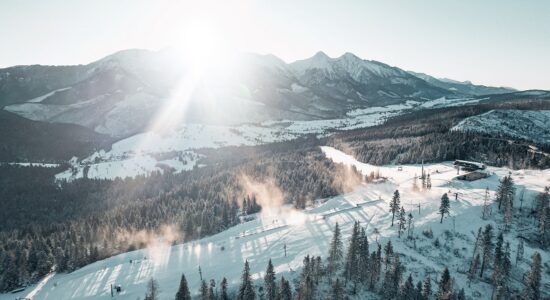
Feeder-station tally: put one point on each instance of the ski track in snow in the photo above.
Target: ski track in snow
(308, 233)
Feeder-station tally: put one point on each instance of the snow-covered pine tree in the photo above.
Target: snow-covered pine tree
(351, 263)
(519, 252)
(407, 289)
(152, 290)
(444, 206)
(183, 291)
(388, 254)
(474, 266)
(445, 288)
(335, 251)
(532, 282)
(427, 288)
(246, 290)
(394, 205)
(487, 248)
(497, 261)
(269, 282)
(285, 293)
(337, 292)
(363, 264)
(402, 222)
(428, 182)
(223, 288)
(203, 290)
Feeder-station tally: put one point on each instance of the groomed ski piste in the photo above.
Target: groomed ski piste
(309, 232)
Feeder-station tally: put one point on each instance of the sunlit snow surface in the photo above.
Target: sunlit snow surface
(135, 155)
(307, 232)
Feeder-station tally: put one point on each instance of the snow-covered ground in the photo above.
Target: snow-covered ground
(308, 232)
(524, 124)
(136, 155)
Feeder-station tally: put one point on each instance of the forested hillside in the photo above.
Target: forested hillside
(426, 135)
(69, 225)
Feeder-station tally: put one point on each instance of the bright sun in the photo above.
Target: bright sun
(202, 45)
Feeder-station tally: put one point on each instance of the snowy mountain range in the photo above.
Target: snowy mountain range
(120, 94)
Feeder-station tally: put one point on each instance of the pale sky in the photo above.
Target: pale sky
(491, 42)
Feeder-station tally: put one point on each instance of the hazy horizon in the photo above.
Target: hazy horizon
(496, 43)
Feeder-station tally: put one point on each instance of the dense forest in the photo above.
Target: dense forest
(426, 136)
(71, 224)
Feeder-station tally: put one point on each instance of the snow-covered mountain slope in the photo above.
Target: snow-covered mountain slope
(308, 233)
(122, 93)
(529, 125)
(146, 152)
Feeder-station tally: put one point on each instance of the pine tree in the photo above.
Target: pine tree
(505, 191)
(285, 292)
(246, 290)
(407, 290)
(474, 266)
(350, 266)
(427, 288)
(337, 292)
(532, 284)
(461, 295)
(269, 282)
(204, 290)
(394, 205)
(363, 264)
(497, 262)
(418, 291)
(392, 279)
(428, 182)
(152, 290)
(223, 287)
(487, 248)
(402, 222)
(183, 291)
(335, 251)
(212, 290)
(445, 289)
(444, 206)
(388, 254)
(519, 252)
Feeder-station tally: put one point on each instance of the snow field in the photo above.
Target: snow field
(309, 232)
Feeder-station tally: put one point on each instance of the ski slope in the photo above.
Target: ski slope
(309, 232)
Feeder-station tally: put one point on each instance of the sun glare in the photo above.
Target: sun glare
(202, 45)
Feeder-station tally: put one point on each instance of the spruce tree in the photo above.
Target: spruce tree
(427, 288)
(444, 206)
(337, 292)
(335, 251)
(223, 292)
(407, 290)
(394, 205)
(487, 248)
(445, 289)
(350, 266)
(532, 282)
(269, 282)
(388, 252)
(285, 292)
(183, 291)
(519, 252)
(204, 290)
(402, 222)
(246, 290)
(474, 266)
